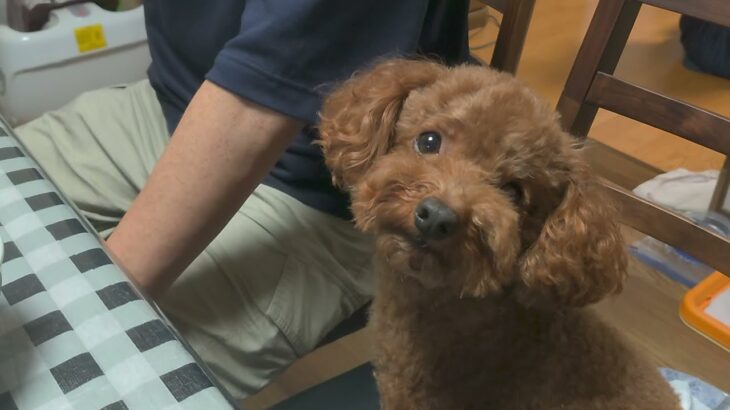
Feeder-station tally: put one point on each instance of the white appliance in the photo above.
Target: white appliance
(81, 48)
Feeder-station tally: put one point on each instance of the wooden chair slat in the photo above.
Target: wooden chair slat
(718, 203)
(672, 229)
(512, 33)
(687, 121)
(516, 16)
(600, 51)
(616, 166)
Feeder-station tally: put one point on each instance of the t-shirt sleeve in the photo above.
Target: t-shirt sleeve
(289, 53)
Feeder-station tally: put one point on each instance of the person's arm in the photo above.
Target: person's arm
(222, 148)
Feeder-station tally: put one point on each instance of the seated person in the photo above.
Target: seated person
(205, 180)
(707, 46)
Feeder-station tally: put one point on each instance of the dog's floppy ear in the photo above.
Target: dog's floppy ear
(579, 256)
(358, 119)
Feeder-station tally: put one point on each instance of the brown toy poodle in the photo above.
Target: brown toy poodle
(492, 237)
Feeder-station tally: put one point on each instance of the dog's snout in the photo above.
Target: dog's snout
(435, 220)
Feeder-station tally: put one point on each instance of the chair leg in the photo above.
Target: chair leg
(721, 190)
(512, 34)
(601, 49)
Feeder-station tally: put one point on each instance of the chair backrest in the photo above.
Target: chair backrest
(591, 85)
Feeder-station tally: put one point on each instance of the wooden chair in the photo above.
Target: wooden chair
(516, 16)
(591, 85)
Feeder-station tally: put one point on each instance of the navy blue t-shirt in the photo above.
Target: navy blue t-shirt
(286, 55)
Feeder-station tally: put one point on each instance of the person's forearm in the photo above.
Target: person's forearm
(220, 151)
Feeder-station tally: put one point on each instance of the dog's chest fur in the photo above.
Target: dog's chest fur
(435, 351)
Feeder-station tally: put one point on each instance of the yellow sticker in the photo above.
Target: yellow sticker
(90, 38)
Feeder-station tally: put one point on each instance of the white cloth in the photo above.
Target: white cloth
(680, 189)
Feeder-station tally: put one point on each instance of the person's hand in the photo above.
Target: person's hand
(222, 148)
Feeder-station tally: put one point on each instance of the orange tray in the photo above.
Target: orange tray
(694, 303)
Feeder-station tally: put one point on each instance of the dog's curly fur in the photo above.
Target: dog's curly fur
(493, 316)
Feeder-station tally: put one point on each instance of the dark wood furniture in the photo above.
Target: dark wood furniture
(591, 85)
(516, 16)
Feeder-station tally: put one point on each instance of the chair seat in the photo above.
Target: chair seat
(353, 390)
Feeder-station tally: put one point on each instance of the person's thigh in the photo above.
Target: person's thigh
(271, 285)
(267, 289)
(100, 148)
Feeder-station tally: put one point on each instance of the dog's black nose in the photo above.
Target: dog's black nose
(435, 220)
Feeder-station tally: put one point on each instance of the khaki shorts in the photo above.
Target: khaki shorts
(266, 290)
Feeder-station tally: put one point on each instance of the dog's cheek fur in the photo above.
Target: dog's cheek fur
(387, 197)
(378, 210)
(579, 256)
(494, 229)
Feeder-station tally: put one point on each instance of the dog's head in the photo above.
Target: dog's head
(470, 185)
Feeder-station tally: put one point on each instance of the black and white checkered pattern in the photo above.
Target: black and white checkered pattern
(74, 333)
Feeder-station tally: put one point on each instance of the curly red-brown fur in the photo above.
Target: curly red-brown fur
(579, 256)
(358, 118)
(490, 316)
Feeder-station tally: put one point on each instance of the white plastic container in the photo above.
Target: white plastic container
(83, 47)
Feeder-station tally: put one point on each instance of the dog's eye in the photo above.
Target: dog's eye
(514, 191)
(428, 143)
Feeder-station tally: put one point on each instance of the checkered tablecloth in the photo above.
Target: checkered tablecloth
(74, 333)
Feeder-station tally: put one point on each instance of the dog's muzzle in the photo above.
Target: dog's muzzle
(435, 220)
